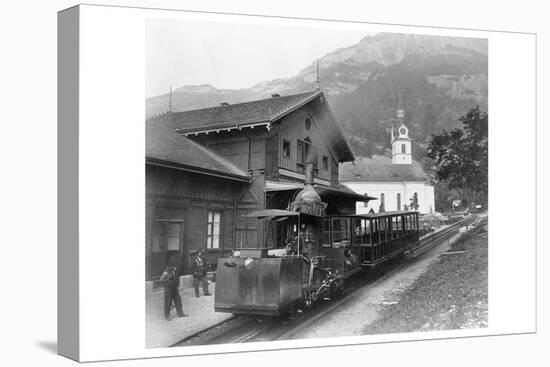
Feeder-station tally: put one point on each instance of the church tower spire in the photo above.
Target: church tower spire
(401, 145)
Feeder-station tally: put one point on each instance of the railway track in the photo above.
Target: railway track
(433, 239)
(245, 329)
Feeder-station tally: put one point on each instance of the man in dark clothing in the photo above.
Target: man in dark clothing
(171, 283)
(199, 274)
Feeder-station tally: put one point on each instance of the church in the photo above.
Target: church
(399, 182)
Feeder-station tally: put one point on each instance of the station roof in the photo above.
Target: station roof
(380, 169)
(165, 147)
(323, 191)
(271, 213)
(252, 114)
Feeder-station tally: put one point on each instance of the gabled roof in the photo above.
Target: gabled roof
(165, 147)
(238, 115)
(380, 169)
(250, 114)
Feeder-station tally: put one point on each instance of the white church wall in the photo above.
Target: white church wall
(375, 189)
(425, 194)
(426, 198)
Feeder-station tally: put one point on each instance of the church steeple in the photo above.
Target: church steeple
(400, 110)
(401, 145)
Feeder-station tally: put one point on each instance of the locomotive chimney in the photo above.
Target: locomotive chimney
(308, 201)
(311, 162)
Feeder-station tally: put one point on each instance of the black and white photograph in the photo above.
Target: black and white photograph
(308, 181)
(258, 183)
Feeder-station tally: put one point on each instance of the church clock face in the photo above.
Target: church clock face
(402, 131)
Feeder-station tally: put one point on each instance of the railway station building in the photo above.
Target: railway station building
(206, 169)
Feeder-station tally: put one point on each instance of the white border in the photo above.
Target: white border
(112, 176)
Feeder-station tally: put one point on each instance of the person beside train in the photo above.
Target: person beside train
(199, 274)
(350, 259)
(171, 282)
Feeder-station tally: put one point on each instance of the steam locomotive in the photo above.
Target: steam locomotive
(313, 254)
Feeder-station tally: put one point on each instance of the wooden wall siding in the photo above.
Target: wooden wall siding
(293, 128)
(177, 183)
(194, 218)
(334, 174)
(170, 191)
(234, 146)
(272, 154)
(252, 198)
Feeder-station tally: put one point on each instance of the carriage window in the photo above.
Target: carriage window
(340, 232)
(357, 230)
(400, 226)
(380, 228)
(367, 230)
(326, 233)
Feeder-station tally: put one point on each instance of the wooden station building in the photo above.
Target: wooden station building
(207, 168)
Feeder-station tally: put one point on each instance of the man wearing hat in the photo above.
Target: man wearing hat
(199, 274)
(171, 283)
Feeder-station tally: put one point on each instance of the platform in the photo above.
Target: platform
(163, 333)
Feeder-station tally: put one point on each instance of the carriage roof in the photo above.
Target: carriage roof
(375, 215)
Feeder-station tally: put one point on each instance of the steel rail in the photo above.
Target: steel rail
(432, 239)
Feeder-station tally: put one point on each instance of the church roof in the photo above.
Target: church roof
(165, 147)
(380, 169)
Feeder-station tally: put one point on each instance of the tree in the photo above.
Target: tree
(461, 155)
(414, 202)
(429, 120)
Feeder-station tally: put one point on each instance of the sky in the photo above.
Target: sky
(233, 55)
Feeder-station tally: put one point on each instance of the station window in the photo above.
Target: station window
(286, 148)
(325, 163)
(308, 123)
(213, 229)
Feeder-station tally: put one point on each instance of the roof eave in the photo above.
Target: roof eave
(216, 128)
(183, 167)
(306, 100)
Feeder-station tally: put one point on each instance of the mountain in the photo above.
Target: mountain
(439, 78)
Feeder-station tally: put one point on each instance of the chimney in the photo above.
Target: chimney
(311, 162)
(224, 104)
(275, 95)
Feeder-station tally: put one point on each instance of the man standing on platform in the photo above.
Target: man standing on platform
(199, 274)
(171, 282)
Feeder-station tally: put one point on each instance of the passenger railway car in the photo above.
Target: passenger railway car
(307, 255)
